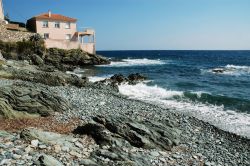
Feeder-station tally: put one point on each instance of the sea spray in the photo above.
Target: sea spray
(228, 120)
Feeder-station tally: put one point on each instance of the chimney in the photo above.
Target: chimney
(49, 13)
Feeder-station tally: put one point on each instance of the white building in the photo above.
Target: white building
(1, 11)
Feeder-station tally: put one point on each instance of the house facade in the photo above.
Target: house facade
(1, 11)
(61, 32)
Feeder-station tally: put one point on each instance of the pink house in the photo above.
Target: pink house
(61, 32)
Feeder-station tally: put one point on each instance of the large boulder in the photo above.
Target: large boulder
(122, 131)
(20, 101)
(121, 135)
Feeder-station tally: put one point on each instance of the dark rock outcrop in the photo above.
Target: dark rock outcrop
(136, 77)
(122, 131)
(119, 79)
(45, 74)
(64, 59)
(21, 101)
(34, 51)
(218, 70)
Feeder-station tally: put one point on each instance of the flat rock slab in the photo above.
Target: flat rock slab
(121, 131)
(49, 138)
(22, 101)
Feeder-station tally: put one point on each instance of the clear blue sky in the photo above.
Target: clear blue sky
(151, 24)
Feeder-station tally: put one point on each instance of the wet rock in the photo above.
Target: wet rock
(135, 78)
(218, 70)
(119, 79)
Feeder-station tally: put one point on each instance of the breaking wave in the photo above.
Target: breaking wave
(135, 62)
(78, 72)
(99, 78)
(232, 70)
(192, 104)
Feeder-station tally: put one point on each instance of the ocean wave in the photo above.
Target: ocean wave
(143, 92)
(217, 115)
(135, 62)
(78, 72)
(231, 70)
(99, 78)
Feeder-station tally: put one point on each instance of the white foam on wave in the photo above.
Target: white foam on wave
(228, 120)
(78, 72)
(143, 92)
(135, 62)
(233, 70)
(98, 78)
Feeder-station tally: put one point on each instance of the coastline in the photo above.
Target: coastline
(200, 144)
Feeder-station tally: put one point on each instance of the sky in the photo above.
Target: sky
(151, 24)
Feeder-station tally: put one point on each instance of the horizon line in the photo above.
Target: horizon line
(179, 50)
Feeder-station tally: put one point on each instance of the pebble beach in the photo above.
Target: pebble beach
(200, 143)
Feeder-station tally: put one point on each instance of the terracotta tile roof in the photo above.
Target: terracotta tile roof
(55, 17)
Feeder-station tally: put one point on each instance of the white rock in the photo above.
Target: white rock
(5, 162)
(16, 156)
(57, 148)
(42, 146)
(28, 149)
(34, 143)
(102, 103)
(74, 139)
(65, 149)
(79, 145)
(162, 160)
(154, 153)
(73, 153)
(163, 153)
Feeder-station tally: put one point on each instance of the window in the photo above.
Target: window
(57, 24)
(46, 36)
(68, 36)
(45, 24)
(67, 25)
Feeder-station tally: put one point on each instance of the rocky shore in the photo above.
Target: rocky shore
(48, 117)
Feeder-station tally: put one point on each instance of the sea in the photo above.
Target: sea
(186, 82)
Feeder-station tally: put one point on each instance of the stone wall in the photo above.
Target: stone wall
(67, 45)
(13, 36)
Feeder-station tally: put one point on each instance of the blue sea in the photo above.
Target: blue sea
(185, 82)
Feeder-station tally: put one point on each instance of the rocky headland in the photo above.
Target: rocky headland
(49, 117)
